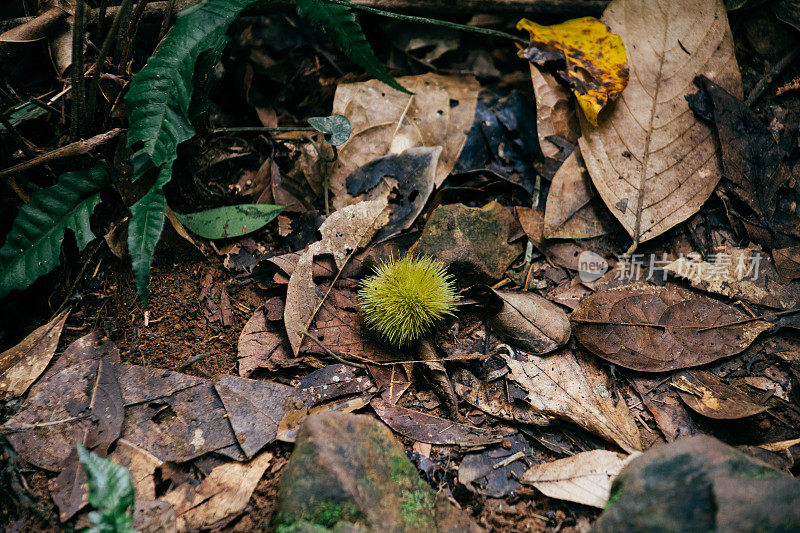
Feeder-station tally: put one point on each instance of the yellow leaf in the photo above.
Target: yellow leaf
(596, 59)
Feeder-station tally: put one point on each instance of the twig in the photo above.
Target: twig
(779, 67)
(104, 50)
(71, 150)
(255, 129)
(78, 113)
(165, 23)
(133, 26)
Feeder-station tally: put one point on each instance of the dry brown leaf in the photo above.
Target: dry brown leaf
(342, 233)
(531, 323)
(583, 478)
(565, 254)
(491, 397)
(708, 395)
(787, 261)
(653, 163)
(566, 387)
(22, 364)
(386, 121)
(657, 329)
(739, 273)
(222, 495)
(573, 210)
(555, 113)
(670, 414)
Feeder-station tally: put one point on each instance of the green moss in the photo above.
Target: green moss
(416, 509)
(321, 515)
(616, 492)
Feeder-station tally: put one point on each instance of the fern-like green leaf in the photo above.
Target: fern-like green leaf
(110, 493)
(346, 32)
(144, 229)
(34, 243)
(160, 94)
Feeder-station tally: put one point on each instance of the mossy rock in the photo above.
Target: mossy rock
(700, 484)
(348, 473)
(471, 241)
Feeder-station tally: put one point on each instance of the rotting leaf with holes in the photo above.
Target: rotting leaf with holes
(342, 233)
(658, 329)
(335, 127)
(653, 163)
(595, 58)
(567, 387)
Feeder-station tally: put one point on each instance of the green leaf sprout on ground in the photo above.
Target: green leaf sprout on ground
(110, 493)
(405, 297)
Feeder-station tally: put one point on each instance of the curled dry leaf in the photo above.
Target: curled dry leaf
(530, 322)
(573, 210)
(596, 60)
(708, 395)
(432, 429)
(658, 329)
(342, 233)
(652, 162)
(385, 121)
(583, 478)
(566, 387)
(555, 114)
(22, 364)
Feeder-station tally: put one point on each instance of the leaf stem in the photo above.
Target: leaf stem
(430, 21)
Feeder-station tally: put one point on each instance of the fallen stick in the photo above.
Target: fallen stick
(71, 150)
(517, 8)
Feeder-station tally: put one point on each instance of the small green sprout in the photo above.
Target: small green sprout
(405, 297)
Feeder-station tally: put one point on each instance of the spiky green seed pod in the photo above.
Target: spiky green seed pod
(405, 297)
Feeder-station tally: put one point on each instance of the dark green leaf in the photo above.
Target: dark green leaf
(341, 23)
(230, 221)
(110, 493)
(23, 112)
(144, 230)
(160, 94)
(34, 242)
(335, 127)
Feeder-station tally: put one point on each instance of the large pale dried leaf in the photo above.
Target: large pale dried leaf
(566, 387)
(738, 273)
(555, 114)
(573, 210)
(22, 364)
(342, 233)
(223, 494)
(657, 329)
(583, 478)
(708, 395)
(529, 322)
(653, 163)
(385, 121)
(596, 60)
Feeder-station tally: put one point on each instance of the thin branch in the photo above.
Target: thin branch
(78, 112)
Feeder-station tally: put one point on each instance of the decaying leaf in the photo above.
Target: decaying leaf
(756, 173)
(263, 345)
(423, 427)
(670, 414)
(555, 114)
(657, 329)
(570, 388)
(495, 472)
(343, 232)
(652, 162)
(529, 322)
(22, 364)
(596, 60)
(492, 397)
(573, 210)
(386, 121)
(583, 478)
(222, 495)
(738, 273)
(708, 395)
(565, 254)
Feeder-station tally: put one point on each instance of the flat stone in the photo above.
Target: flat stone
(349, 473)
(700, 484)
(471, 241)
